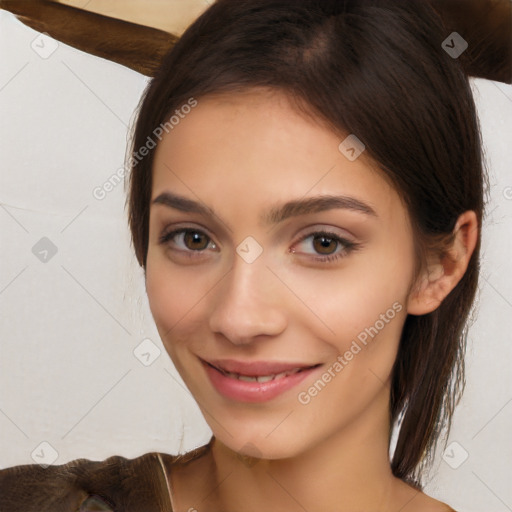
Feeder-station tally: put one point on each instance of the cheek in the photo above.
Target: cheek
(362, 308)
(367, 331)
(344, 302)
(174, 297)
(366, 317)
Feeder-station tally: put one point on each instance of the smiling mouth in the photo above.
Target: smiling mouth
(261, 378)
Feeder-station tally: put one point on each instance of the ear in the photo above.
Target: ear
(443, 274)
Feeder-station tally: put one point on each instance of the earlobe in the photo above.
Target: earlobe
(443, 274)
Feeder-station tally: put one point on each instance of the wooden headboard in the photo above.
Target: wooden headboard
(137, 33)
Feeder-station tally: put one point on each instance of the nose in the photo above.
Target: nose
(247, 303)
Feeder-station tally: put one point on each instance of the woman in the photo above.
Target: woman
(305, 199)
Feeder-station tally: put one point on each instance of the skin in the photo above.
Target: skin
(240, 155)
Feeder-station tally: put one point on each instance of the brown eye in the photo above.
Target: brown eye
(324, 247)
(187, 240)
(324, 244)
(195, 240)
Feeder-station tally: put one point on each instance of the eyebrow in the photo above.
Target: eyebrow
(278, 213)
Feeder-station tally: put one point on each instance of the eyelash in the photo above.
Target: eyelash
(348, 246)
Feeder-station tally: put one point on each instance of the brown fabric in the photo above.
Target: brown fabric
(116, 484)
(135, 46)
(485, 24)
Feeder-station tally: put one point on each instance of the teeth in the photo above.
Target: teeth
(243, 377)
(266, 378)
(261, 378)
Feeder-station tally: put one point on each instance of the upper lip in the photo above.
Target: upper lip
(255, 368)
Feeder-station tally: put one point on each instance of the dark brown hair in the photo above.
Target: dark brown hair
(375, 68)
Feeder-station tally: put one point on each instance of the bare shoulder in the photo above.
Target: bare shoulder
(424, 503)
(414, 500)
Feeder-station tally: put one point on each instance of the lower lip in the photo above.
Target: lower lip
(244, 391)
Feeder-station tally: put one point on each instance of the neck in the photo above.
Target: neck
(348, 471)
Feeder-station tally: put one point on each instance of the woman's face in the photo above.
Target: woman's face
(266, 280)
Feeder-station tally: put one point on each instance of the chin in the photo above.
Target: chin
(260, 448)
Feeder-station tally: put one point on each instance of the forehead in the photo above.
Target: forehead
(258, 144)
